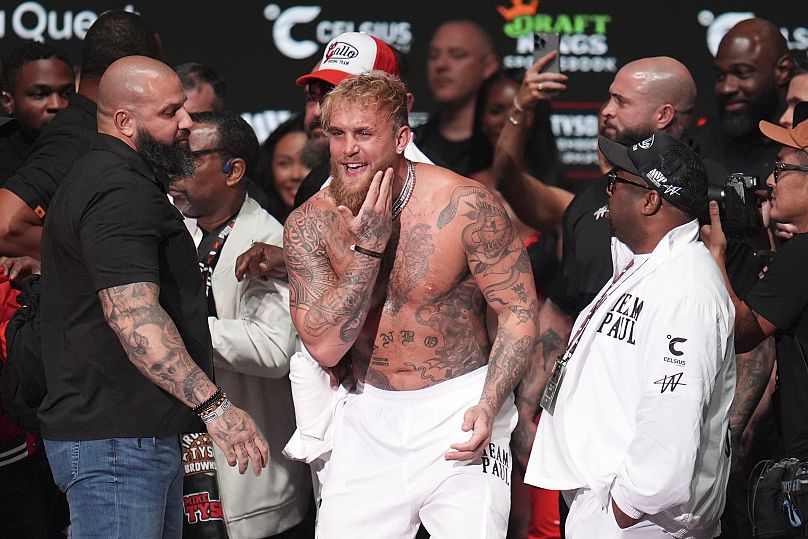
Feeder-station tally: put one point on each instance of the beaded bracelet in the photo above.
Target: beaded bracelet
(214, 400)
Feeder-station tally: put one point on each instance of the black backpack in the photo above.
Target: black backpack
(22, 381)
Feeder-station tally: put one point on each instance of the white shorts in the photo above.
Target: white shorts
(588, 518)
(317, 407)
(388, 473)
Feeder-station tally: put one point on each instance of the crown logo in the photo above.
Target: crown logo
(519, 7)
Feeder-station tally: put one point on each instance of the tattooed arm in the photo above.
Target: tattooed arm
(501, 268)
(329, 310)
(554, 332)
(753, 372)
(154, 346)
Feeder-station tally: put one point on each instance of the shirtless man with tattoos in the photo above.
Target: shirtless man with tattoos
(391, 268)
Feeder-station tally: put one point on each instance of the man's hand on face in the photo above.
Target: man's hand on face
(372, 227)
(261, 260)
(479, 420)
(237, 436)
(19, 267)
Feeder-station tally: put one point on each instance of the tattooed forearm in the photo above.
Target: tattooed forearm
(753, 371)
(152, 342)
(326, 308)
(506, 365)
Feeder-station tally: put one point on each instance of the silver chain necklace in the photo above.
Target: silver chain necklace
(406, 191)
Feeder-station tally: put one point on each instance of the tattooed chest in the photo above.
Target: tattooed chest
(426, 341)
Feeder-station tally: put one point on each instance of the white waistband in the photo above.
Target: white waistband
(450, 386)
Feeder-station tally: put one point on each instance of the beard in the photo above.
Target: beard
(352, 192)
(174, 159)
(736, 124)
(631, 136)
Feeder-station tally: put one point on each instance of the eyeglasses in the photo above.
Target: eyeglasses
(613, 179)
(206, 151)
(779, 167)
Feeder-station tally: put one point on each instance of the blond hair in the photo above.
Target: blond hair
(377, 89)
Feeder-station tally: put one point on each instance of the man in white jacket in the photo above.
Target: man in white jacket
(636, 429)
(250, 325)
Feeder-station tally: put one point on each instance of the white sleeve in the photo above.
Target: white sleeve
(682, 344)
(261, 339)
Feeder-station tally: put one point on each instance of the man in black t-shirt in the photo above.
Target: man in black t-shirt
(461, 58)
(125, 341)
(778, 304)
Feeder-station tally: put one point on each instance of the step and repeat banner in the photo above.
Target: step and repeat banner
(261, 47)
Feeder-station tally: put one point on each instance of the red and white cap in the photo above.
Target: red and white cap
(349, 54)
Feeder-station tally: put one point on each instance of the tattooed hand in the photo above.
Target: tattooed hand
(373, 225)
(237, 436)
(480, 421)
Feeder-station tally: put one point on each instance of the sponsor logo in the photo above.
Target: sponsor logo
(672, 190)
(619, 321)
(396, 33)
(341, 51)
(497, 461)
(583, 46)
(601, 212)
(197, 454)
(670, 382)
(30, 20)
(199, 507)
(672, 345)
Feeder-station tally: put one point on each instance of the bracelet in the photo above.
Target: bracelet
(366, 252)
(520, 109)
(214, 399)
(513, 121)
(216, 413)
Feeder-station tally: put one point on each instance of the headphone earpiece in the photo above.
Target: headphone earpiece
(228, 167)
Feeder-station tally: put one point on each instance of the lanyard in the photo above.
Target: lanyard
(548, 399)
(207, 264)
(573, 344)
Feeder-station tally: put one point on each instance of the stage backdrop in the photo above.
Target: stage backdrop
(260, 47)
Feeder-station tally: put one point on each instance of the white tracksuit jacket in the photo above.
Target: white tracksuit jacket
(642, 413)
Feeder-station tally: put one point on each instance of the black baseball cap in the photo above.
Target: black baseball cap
(667, 165)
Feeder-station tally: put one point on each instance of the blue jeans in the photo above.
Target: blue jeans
(120, 487)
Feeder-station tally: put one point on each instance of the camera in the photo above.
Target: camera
(738, 204)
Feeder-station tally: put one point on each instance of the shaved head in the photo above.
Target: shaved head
(131, 83)
(141, 102)
(649, 95)
(759, 36)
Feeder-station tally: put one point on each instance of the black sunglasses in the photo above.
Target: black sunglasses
(613, 179)
(779, 167)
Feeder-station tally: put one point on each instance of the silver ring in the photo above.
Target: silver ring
(541, 86)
